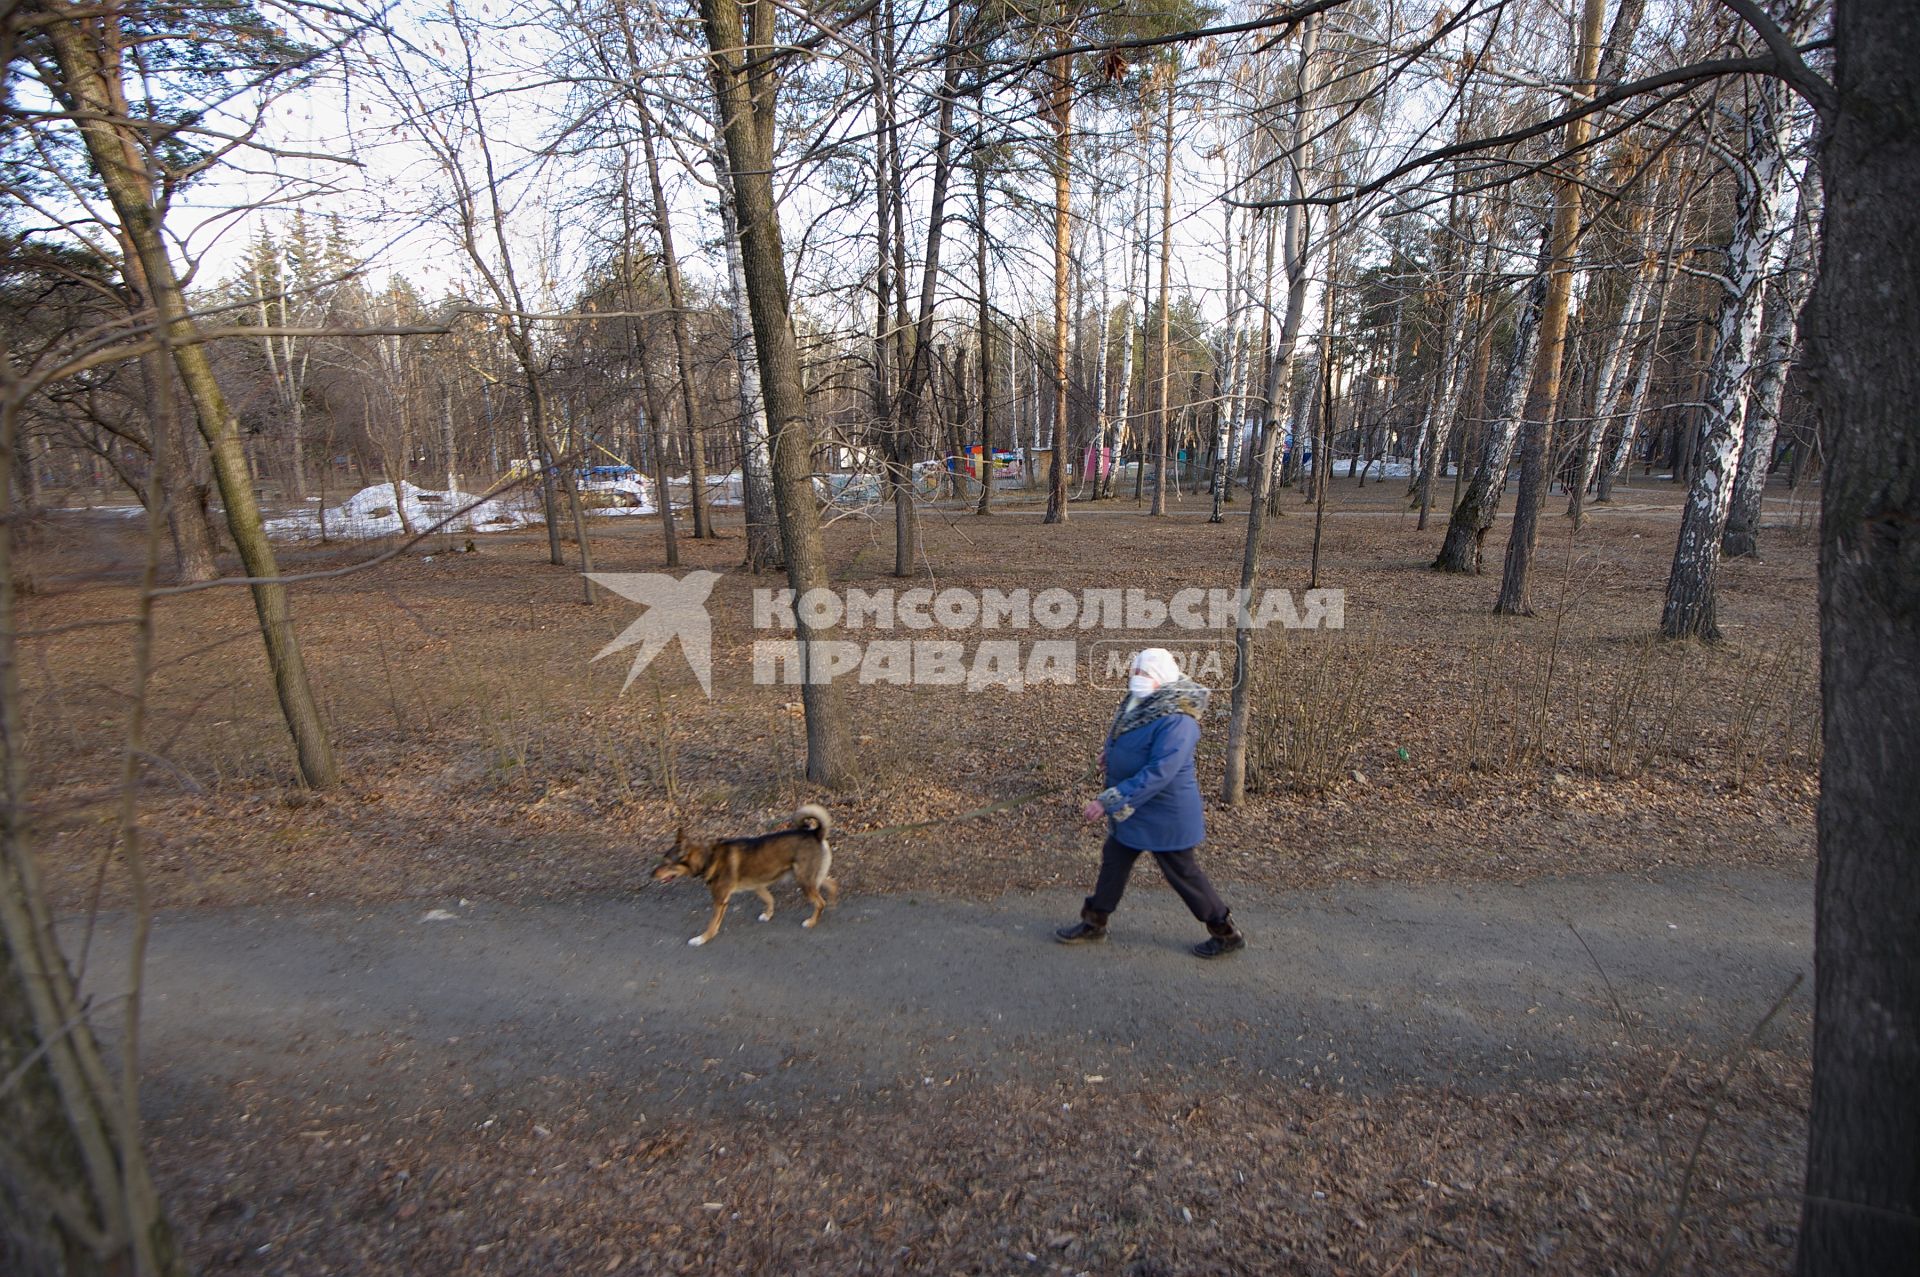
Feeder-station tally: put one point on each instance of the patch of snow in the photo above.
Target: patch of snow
(372, 511)
(116, 511)
(722, 489)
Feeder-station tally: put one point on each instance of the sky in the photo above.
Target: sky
(392, 200)
(381, 181)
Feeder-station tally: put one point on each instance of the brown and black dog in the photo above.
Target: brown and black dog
(755, 864)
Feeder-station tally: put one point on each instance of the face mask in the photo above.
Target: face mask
(1142, 684)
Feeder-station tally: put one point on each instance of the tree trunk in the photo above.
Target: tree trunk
(652, 426)
(399, 494)
(1450, 371)
(1646, 357)
(1123, 403)
(886, 419)
(558, 467)
(956, 419)
(1329, 366)
(1742, 536)
(1606, 390)
(1161, 392)
(682, 343)
(1543, 400)
(1472, 426)
(919, 370)
(756, 466)
(1239, 346)
(1101, 427)
(746, 94)
(1219, 467)
(93, 87)
(297, 425)
(549, 508)
(1761, 186)
(889, 323)
(1450, 362)
(985, 320)
(1060, 115)
(657, 441)
(184, 496)
(1479, 505)
(1233, 789)
(1861, 1207)
(447, 444)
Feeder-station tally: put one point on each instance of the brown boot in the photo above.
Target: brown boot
(1091, 927)
(1222, 938)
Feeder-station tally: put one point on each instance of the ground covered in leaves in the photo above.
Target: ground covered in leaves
(485, 753)
(1592, 1174)
(480, 742)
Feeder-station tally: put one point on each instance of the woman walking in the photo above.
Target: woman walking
(1152, 803)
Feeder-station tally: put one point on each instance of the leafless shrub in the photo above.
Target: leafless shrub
(1639, 707)
(1776, 712)
(611, 762)
(1309, 711)
(508, 729)
(1506, 720)
(1625, 709)
(663, 745)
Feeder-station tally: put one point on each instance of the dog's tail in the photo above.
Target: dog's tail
(814, 817)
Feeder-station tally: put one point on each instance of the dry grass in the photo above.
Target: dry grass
(480, 746)
(484, 755)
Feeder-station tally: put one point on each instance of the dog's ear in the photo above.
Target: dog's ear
(679, 837)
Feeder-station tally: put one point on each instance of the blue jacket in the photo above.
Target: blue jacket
(1152, 799)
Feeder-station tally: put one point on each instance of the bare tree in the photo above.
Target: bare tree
(1861, 1207)
(682, 344)
(1778, 343)
(1763, 218)
(920, 364)
(84, 67)
(1167, 75)
(756, 465)
(443, 107)
(1543, 400)
(1295, 240)
(1474, 513)
(745, 68)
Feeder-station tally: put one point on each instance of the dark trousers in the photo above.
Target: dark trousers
(1183, 874)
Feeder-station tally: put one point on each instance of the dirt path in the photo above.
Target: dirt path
(480, 1003)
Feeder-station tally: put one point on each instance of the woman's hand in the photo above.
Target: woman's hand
(1093, 811)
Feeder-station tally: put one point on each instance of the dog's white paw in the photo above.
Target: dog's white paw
(697, 941)
(766, 917)
(809, 922)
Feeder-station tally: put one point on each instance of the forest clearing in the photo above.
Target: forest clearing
(504, 783)
(489, 747)
(488, 487)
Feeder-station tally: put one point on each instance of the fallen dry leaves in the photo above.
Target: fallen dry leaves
(484, 755)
